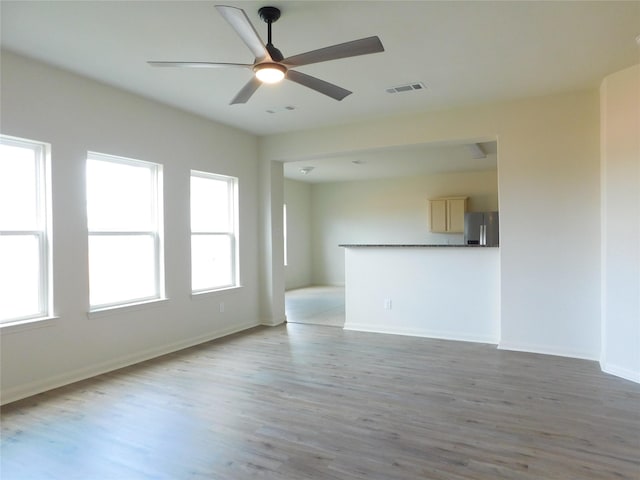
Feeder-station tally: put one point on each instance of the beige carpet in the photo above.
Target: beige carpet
(321, 305)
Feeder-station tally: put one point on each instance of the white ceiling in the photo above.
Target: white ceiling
(464, 52)
(404, 161)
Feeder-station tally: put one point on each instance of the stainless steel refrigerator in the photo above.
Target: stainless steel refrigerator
(481, 228)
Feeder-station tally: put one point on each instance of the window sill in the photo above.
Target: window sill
(126, 308)
(214, 293)
(18, 326)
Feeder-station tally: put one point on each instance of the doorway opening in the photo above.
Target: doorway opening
(317, 305)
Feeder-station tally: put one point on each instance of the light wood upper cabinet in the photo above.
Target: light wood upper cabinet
(446, 215)
(438, 215)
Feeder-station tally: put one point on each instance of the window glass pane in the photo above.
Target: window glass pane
(119, 196)
(212, 261)
(284, 232)
(210, 210)
(18, 188)
(19, 276)
(121, 268)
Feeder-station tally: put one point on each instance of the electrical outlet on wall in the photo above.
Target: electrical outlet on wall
(387, 304)
(221, 307)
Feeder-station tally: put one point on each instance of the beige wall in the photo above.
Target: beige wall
(620, 130)
(548, 181)
(549, 194)
(271, 243)
(393, 210)
(297, 197)
(75, 115)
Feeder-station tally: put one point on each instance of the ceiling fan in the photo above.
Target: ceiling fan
(270, 66)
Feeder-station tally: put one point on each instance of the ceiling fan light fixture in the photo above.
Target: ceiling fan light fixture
(270, 72)
(269, 64)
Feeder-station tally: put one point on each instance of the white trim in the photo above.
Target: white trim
(26, 390)
(7, 328)
(125, 308)
(412, 332)
(284, 234)
(603, 228)
(220, 291)
(156, 233)
(548, 350)
(620, 372)
(134, 162)
(231, 232)
(42, 169)
(270, 322)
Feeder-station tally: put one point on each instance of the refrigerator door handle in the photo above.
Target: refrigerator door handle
(483, 234)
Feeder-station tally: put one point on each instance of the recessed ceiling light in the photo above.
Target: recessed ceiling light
(280, 109)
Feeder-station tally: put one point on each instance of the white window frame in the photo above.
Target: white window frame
(284, 234)
(43, 231)
(232, 233)
(156, 233)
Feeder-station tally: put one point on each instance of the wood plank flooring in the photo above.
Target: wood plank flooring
(309, 402)
(316, 305)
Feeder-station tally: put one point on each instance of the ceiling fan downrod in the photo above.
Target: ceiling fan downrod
(270, 15)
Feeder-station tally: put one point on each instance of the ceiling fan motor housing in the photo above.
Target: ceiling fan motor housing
(276, 54)
(269, 14)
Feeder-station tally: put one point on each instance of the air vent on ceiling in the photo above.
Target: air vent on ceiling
(409, 87)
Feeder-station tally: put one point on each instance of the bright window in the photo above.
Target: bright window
(25, 285)
(284, 232)
(214, 262)
(124, 216)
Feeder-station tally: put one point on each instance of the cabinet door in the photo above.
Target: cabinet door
(455, 214)
(438, 215)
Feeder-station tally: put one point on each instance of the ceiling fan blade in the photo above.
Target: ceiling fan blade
(329, 89)
(243, 27)
(199, 64)
(246, 92)
(364, 46)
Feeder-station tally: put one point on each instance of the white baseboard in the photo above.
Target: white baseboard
(273, 322)
(39, 386)
(363, 327)
(621, 372)
(547, 350)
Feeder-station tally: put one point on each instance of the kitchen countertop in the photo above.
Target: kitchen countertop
(410, 245)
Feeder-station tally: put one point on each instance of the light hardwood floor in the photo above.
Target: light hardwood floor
(309, 402)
